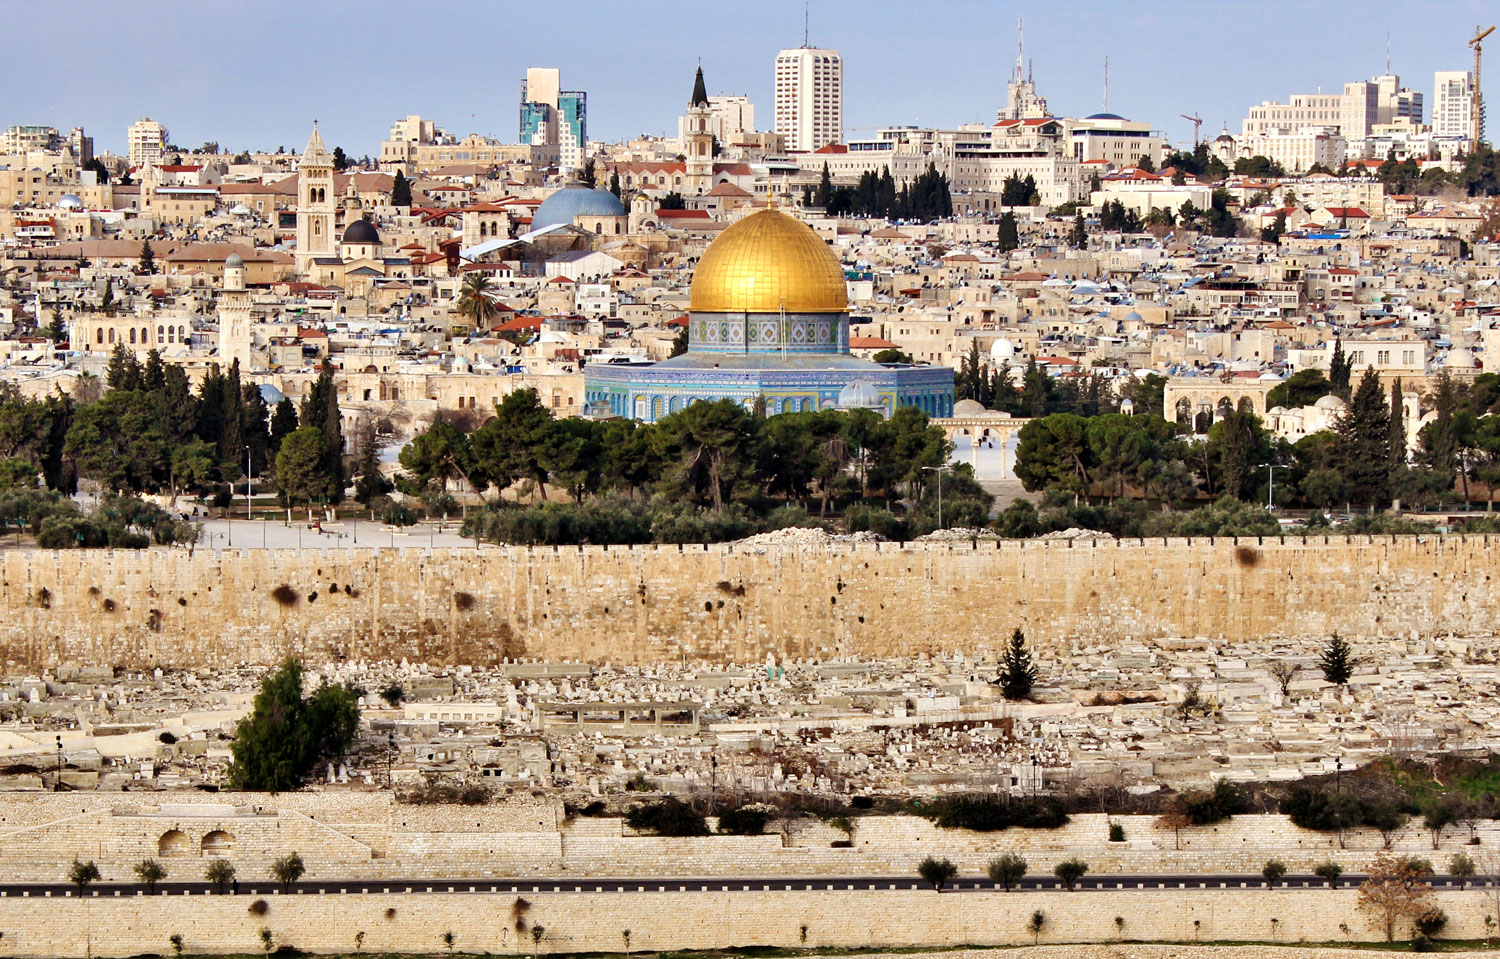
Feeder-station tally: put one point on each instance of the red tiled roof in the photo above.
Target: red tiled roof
(683, 214)
(870, 343)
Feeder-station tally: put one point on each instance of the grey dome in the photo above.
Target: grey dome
(859, 395)
(234, 262)
(360, 231)
(270, 394)
(70, 201)
(575, 199)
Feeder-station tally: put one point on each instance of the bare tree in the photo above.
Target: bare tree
(1283, 671)
(1394, 891)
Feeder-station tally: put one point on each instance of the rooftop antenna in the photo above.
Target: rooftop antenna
(1106, 84)
(806, 32)
(1388, 53)
(1020, 46)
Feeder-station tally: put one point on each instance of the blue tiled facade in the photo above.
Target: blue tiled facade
(797, 362)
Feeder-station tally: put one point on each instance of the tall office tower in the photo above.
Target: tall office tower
(551, 115)
(809, 97)
(147, 140)
(1453, 103)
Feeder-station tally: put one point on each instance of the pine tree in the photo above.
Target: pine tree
(401, 190)
(370, 481)
(283, 423)
(1362, 444)
(147, 264)
(57, 332)
(1336, 661)
(1017, 671)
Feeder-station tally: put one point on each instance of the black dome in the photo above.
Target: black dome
(360, 231)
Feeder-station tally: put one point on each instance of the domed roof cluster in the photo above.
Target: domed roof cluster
(70, 201)
(766, 263)
(575, 199)
(361, 231)
(1331, 402)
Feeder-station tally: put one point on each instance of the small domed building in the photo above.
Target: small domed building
(360, 264)
(767, 319)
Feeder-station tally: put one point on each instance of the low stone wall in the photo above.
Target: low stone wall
(724, 603)
(369, 836)
(596, 922)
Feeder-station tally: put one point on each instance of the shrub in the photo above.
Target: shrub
(1430, 922)
(81, 874)
(938, 872)
(1273, 872)
(150, 872)
(743, 822)
(1034, 925)
(1329, 872)
(167, 739)
(992, 814)
(258, 908)
(1007, 871)
(287, 870)
(1069, 871)
(1116, 832)
(393, 695)
(1462, 868)
(219, 874)
(669, 817)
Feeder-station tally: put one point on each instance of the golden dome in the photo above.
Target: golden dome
(766, 263)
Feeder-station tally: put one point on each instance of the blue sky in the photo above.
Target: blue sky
(256, 74)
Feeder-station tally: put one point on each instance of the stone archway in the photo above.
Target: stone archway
(174, 842)
(218, 843)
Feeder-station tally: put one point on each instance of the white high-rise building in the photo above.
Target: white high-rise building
(809, 97)
(147, 141)
(1452, 103)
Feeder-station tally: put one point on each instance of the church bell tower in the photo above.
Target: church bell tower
(316, 197)
(698, 141)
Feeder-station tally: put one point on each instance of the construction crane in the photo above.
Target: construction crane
(1197, 122)
(1476, 102)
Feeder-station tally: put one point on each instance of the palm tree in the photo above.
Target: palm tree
(476, 299)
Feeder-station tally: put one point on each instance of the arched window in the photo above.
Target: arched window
(111, 334)
(182, 334)
(99, 335)
(161, 334)
(145, 335)
(132, 336)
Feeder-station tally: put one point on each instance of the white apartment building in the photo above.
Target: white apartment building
(399, 149)
(1353, 113)
(809, 97)
(147, 140)
(1298, 150)
(20, 140)
(729, 119)
(1453, 103)
(1106, 136)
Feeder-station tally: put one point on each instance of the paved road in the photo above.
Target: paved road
(511, 887)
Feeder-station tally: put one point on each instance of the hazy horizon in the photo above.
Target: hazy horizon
(258, 79)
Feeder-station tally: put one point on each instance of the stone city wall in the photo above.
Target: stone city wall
(730, 603)
(127, 925)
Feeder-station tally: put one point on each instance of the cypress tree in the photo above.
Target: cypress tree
(147, 264)
(1339, 370)
(1398, 429)
(400, 190)
(1010, 237)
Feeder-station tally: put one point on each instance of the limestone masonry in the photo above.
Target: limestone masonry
(724, 603)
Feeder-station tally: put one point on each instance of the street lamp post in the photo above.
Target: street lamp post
(57, 785)
(248, 478)
(1270, 469)
(1035, 775)
(390, 756)
(939, 470)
